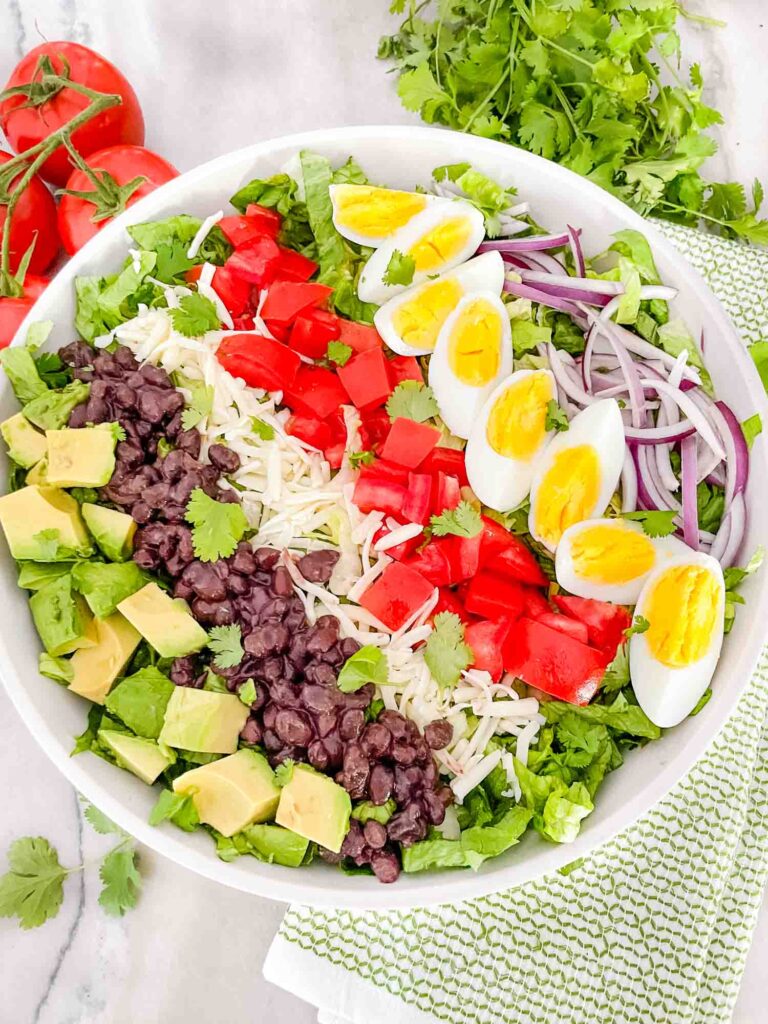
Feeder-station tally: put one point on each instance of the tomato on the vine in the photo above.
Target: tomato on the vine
(27, 119)
(13, 309)
(34, 220)
(80, 218)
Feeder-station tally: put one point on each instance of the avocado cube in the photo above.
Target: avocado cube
(80, 458)
(33, 575)
(96, 668)
(61, 617)
(203, 720)
(26, 446)
(43, 524)
(277, 845)
(140, 701)
(112, 530)
(315, 807)
(142, 757)
(104, 586)
(37, 475)
(165, 622)
(233, 792)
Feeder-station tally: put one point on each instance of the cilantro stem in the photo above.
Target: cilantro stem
(701, 19)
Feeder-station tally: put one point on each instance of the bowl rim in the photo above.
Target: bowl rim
(428, 889)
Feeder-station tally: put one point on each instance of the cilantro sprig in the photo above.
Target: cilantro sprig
(226, 644)
(462, 521)
(195, 316)
(445, 652)
(217, 526)
(556, 418)
(412, 400)
(400, 269)
(655, 523)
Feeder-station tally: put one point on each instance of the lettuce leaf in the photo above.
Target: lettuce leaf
(140, 701)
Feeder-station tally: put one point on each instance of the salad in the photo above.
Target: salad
(375, 526)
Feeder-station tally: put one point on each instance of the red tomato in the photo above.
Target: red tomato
(432, 562)
(360, 337)
(417, 504)
(409, 443)
(565, 624)
(402, 550)
(374, 492)
(396, 595)
(315, 391)
(463, 556)
(486, 639)
(14, 309)
(34, 220)
(366, 379)
(25, 126)
(449, 602)
(404, 368)
(312, 331)
(123, 163)
(446, 492)
(374, 428)
(286, 299)
(605, 622)
(233, 291)
(310, 430)
(553, 662)
(518, 563)
(260, 362)
(447, 460)
(491, 597)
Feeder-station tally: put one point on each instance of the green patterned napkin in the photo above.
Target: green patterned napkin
(653, 928)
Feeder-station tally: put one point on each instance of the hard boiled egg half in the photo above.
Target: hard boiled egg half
(507, 436)
(472, 354)
(446, 233)
(673, 661)
(410, 322)
(610, 559)
(578, 472)
(370, 215)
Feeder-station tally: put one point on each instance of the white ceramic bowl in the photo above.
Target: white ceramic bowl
(400, 157)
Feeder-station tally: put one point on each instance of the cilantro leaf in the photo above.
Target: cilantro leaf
(218, 526)
(226, 644)
(400, 269)
(413, 401)
(639, 625)
(357, 459)
(200, 402)
(752, 428)
(368, 665)
(33, 889)
(556, 418)
(100, 823)
(261, 429)
(445, 652)
(654, 523)
(338, 353)
(462, 521)
(195, 316)
(121, 880)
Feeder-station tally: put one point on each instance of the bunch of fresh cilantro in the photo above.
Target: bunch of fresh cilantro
(594, 84)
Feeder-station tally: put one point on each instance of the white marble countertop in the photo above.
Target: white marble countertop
(212, 78)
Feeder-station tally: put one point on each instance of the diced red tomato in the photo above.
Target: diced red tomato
(409, 443)
(605, 622)
(402, 550)
(396, 594)
(360, 337)
(446, 492)
(491, 597)
(270, 219)
(374, 427)
(312, 331)
(374, 492)
(315, 391)
(432, 562)
(334, 454)
(286, 299)
(536, 605)
(254, 261)
(495, 539)
(366, 380)
(446, 460)
(449, 602)
(233, 291)
(404, 368)
(309, 429)
(486, 638)
(463, 556)
(293, 266)
(391, 471)
(417, 504)
(565, 624)
(519, 563)
(260, 362)
(553, 662)
(241, 229)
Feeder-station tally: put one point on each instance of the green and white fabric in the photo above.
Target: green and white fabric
(652, 928)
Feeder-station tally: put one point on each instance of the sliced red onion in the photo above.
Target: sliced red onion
(546, 283)
(587, 288)
(657, 291)
(640, 347)
(666, 434)
(542, 261)
(690, 508)
(564, 380)
(629, 370)
(678, 370)
(662, 451)
(648, 476)
(739, 459)
(690, 409)
(578, 253)
(628, 483)
(530, 244)
(543, 298)
(727, 543)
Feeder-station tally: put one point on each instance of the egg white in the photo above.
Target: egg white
(371, 286)
(626, 592)
(667, 694)
(599, 427)
(499, 481)
(373, 241)
(483, 273)
(460, 403)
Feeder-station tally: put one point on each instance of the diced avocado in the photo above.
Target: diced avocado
(61, 617)
(112, 530)
(315, 807)
(203, 720)
(80, 458)
(96, 668)
(140, 701)
(38, 475)
(51, 410)
(105, 585)
(277, 845)
(142, 757)
(43, 524)
(233, 792)
(165, 622)
(33, 575)
(26, 446)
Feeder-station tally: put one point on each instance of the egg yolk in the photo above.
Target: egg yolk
(441, 243)
(375, 212)
(418, 321)
(474, 347)
(682, 611)
(611, 555)
(568, 492)
(516, 423)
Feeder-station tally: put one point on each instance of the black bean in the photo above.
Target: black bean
(375, 834)
(438, 734)
(223, 458)
(317, 566)
(293, 727)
